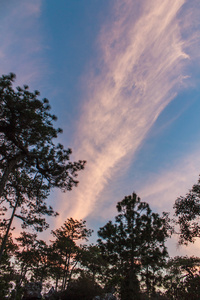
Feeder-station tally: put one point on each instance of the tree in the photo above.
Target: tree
(31, 164)
(134, 246)
(182, 278)
(187, 210)
(65, 252)
(7, 271)
(31, 256)
(93, 264)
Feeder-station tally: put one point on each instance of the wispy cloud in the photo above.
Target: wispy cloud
(20, 40)
(139, 73)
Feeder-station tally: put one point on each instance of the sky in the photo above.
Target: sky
(123, 78)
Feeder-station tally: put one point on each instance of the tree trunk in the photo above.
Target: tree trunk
(56, 283)
(66, 271)
(11, 164)
(71, 272)
(8, 229)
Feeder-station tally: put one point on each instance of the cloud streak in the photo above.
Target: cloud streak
(139, 73)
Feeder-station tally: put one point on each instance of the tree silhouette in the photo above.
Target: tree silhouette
(92, 263)
(65, 251)
(187, 210)
(134, 246)
(31, 164)
(7, 270)
(182, 278)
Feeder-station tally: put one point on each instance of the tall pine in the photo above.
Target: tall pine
(134, 246)
(31, 164)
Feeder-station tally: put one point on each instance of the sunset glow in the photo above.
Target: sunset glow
(123, 79)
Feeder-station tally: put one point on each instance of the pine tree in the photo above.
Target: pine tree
(187, 210)
(134, 246)
(31, 164)
(65, 252)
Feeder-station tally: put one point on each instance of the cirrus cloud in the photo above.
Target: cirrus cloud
(140, 70)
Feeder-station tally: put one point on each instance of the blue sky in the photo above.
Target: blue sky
(123, 78)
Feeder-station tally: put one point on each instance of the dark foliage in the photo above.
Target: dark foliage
(31, 164)
(187, 209)
(182, 280)
(83, 288)
(134, 247)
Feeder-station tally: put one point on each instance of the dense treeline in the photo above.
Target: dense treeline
(130, 257)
